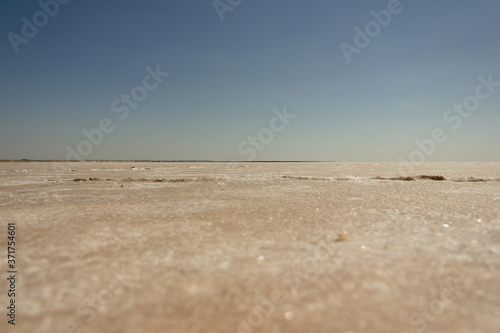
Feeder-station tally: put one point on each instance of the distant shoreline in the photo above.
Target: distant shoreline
(176, 161)
(210, 161)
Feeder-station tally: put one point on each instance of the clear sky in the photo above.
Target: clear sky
(74, 69)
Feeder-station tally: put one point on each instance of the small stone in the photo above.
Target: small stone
(342, 237)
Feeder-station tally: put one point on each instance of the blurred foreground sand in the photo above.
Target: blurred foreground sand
(251, 247)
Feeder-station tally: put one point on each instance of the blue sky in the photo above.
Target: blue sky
(226, 78)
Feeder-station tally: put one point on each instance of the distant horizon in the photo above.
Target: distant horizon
(236, 161)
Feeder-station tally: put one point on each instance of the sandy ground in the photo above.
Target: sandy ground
(259, 247)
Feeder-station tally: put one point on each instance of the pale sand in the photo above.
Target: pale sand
(209, 247)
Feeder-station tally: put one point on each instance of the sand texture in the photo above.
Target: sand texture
(252, 247)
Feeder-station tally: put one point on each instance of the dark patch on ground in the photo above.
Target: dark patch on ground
(431, 177)
(406, 179)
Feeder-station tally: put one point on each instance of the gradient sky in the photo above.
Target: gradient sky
(226, 77)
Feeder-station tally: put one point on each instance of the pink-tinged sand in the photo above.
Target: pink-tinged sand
(253, 247)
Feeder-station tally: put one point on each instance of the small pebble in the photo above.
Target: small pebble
(342, 236)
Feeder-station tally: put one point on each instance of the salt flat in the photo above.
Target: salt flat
(253, 247)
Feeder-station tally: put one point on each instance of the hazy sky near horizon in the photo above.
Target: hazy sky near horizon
(225, 78)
